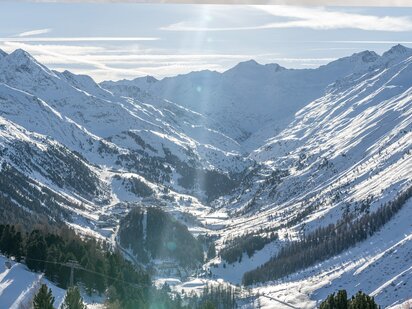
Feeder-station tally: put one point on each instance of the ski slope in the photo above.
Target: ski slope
(18, 286)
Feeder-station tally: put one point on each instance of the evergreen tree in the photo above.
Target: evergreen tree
(211, 252)
(36, 251)
(6, 240)
(73, 300)
(18, 246)
(208, 305)
(43, 299)
(329, 302)
(340, 301)
(103, 269)
(362, 301)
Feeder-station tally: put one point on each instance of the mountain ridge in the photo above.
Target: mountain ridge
(288, 152)
(277, 92)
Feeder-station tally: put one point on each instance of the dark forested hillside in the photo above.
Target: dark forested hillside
(26, 202)
(248, 244)
(100, 270)
(152, 233)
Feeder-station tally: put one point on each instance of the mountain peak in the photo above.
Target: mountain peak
(251, 67)
(78, 79)
(20, 54)
(150, 79)
(21, 61)
(2, 53)
(21, 57)
(397, 50)
(275, 66)
(247, 63)
(366, 56)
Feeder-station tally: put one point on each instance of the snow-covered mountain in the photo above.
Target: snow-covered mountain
(250, 102)
(256, 150)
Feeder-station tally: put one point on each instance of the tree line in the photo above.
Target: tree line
(326, 242)
(341, 301)
(249, 243)
(101, 270)
(217, 296)
(153, 233)
(44, 299)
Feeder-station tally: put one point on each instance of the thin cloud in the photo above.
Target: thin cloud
(103, 63)
(77, 39)
(34, 32)
(329, 59)
(317, 18)
(363, 3)
(366, 42)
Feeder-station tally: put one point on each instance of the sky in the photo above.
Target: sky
(127, 40)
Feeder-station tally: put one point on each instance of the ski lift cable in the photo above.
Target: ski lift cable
(90, 271)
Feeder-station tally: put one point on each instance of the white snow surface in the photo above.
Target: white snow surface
(18, 286)
(322, 140)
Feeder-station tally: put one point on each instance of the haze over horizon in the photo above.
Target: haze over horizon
(129, 40)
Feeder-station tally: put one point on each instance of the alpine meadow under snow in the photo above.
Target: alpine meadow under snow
(244, 167)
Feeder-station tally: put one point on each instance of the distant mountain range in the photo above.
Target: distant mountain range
(254, 150)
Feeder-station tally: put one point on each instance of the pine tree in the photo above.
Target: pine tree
(73, 300)
(43, 299)
(36, 251)
(211, 252)
(17, 244)
(340, 301)
(362, 301)
(6, 240)
(208, 305)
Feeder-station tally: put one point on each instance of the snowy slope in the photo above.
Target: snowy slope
(380, 266)
(356, 134)
(37, 168)
(18, 286)
(112, 130)
(349, 150)
(256, 147)
(81, 101)
(250, 101)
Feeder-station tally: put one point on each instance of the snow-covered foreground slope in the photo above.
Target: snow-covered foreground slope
(18, 286)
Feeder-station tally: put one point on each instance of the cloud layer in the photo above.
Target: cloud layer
(317, 18)
(109, 62)
(363, 3)
(23, 38)
(34, 32)
(135, 43)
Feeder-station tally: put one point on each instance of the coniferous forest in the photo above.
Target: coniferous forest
(153, 233)
(216, 296)
(325, 242)
(99, 270)
(340, 301)
(248, 243)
